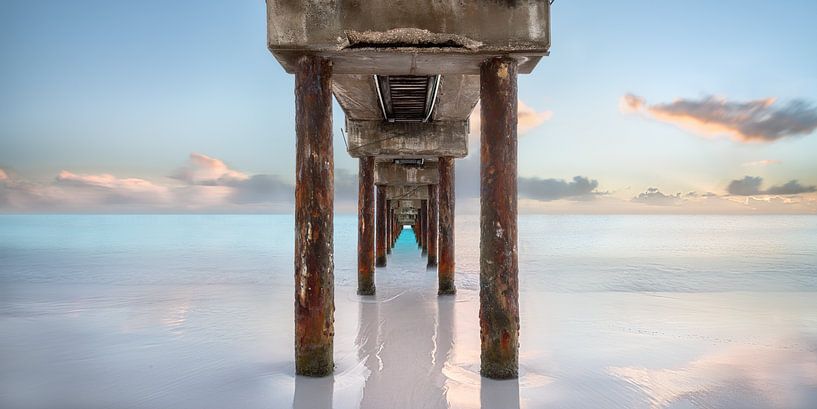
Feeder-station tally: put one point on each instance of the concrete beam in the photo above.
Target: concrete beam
(395, 193)
(357, 96)
(390, 173)
(407, 139)
(417, 37)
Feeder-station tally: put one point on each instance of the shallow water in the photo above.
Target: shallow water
(616, 311)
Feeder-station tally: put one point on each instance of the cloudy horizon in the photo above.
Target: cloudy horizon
(185, 111)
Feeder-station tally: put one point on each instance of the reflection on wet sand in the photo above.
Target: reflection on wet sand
(773, 377)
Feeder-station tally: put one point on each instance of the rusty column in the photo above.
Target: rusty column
(433, 207)
(314, 204)
(388, 226)
(445, 269)
(424, 227)
(365, 226)
(380, 219)
(498, 266)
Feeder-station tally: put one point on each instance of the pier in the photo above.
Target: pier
(407, 77)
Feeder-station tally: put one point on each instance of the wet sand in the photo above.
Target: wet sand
(73, 342)
(230, 346)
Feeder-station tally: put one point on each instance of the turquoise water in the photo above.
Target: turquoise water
(195, 311)
(556, 253)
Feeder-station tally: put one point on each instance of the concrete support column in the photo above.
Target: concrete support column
(424, 227)
(498, 281)
(365, 226)
(433, 207)
(389, 224)
(380, 216)
(314, 205)
(445, 269)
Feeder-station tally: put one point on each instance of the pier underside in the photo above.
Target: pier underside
(407, 78)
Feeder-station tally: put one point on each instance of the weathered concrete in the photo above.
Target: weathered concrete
(314, 204)
(433, 208)
(380, 216)
(357, 96)
(380, 138)
(390, 173)
(422, 36)
(365, 227)
(445, 269)
(406, 192)
(499, 269)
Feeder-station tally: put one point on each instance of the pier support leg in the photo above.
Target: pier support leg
(314, 204)
(380, 216)
(389, 230)
(498, 281)
(445, 269)
(433, 207)
(424, 227)
(365, 226)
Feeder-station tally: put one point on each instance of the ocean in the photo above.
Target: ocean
(154, 311)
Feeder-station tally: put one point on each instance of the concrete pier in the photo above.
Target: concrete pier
(407, 76)
(365, 226)
(445, 268)
(498, 267)
(314, 206)
(380, 216)
(433, 226)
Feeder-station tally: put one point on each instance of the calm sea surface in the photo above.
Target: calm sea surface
(556, 253)
(195, 311)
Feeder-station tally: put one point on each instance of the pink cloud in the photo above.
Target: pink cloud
(527, 118)
(744, 121)
(3, 175)
(203, 170)
(762, 163)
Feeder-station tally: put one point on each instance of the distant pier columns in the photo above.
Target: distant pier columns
(445, 239)
(314, 207)
(365, 226)
(380, 216)
(433, 225)
(389, 227)
(424, 227)
(499, 288)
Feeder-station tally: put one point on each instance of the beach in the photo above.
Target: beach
(196, 312)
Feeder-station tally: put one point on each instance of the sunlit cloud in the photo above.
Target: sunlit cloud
(761, 163)
(3, 175)
(752, 121)
(204, 170)
(527, 118)
(751, 186)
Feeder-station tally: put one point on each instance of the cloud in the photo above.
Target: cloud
(745, 187)
(3, 176)
(750, 121)
(527, 118)
(654, 197)
(553, 189)
(750, 186)
(762, 163)
(108, 189)
(204, 170)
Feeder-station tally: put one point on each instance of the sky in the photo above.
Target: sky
(641, 107)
